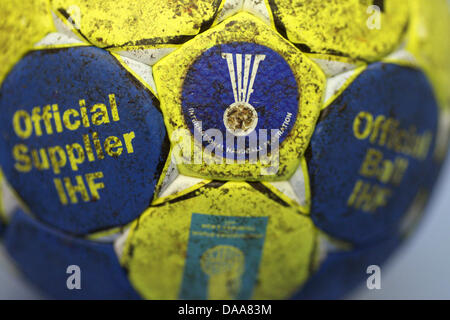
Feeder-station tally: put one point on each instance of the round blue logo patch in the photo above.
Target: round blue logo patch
(239, 89)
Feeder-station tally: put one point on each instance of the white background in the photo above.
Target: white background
(421, 267)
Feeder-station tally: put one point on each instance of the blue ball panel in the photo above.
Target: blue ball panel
(341, 272)
(371, 153)
(122, 180)
(44, 254)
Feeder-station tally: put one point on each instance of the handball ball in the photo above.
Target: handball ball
(217, 149)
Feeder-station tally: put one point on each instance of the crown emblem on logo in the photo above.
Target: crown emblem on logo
(241, 118)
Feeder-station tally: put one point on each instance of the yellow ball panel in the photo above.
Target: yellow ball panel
(360, 29)
(162, 244)
(23, 24)
(147, 22)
